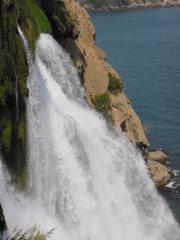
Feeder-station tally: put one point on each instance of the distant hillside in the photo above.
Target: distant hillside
(125, 4)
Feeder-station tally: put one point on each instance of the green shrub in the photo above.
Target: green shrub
(115, 84)
(102, 103)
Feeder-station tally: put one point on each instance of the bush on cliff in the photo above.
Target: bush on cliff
(102, 104)
(115, 84)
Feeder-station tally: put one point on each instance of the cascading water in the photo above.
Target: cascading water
(85, 180)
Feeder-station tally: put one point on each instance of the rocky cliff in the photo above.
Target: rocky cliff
(105, 5)
(102, 83)
(71, 26)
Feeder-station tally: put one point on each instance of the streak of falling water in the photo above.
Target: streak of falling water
(87, 181)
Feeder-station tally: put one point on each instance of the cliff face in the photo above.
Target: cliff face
(106, 5)
(98, 78)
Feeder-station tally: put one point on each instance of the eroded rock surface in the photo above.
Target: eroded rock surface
(96, 75)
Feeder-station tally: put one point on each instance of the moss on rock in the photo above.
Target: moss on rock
(13, 73)
(62, 23)
(6, 134)
(33, 20)
(22, 179)
(34, 17)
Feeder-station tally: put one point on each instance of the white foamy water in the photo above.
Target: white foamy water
(85, 180)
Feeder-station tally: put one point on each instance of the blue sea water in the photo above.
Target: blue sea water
(144, 46)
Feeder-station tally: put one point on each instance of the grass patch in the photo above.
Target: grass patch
(38, 16)
(33, 21)
(115, 84)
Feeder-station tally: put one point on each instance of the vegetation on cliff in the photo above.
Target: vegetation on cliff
(102, 104)
(32, 20)
(115, 84)
(34, 17)
(13, 74)
(62, 23)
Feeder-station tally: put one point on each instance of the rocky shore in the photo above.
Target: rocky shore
(160, 173)
(115, 5)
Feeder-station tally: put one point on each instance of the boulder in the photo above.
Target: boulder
(158, 156)
(160, 173)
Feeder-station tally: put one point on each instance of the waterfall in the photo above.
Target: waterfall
(85, 180)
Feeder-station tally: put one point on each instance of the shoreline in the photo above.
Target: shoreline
(110, 8)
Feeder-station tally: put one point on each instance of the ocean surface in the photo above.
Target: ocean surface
(144, 47)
